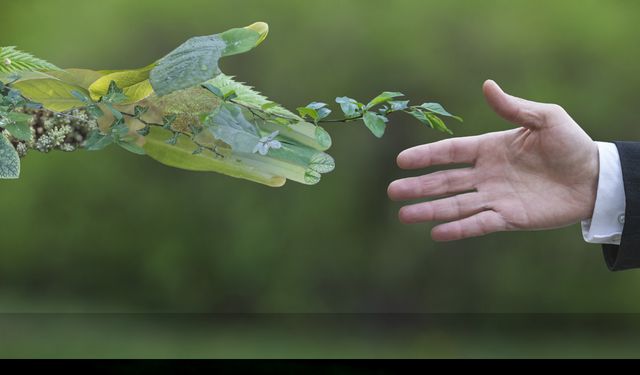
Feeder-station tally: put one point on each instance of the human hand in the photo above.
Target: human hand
(541, 175)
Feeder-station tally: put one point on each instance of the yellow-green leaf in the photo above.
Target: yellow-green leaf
(52, 93)
(134, 83)
(181, 155)
(79, 77)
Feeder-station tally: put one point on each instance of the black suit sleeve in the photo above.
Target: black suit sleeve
(627, 255)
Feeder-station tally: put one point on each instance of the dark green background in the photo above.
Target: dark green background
(111, 231)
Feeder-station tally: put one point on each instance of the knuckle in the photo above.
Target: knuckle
(531, 118)
(404, 215)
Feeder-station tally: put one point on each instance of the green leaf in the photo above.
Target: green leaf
(128, 87)
(182, 156)
(18, 117)
(116, 113)
(322, 163)
(301, 132)
(229, 125)
(77, 77)
(13, 60)
(52, 93)
(144, 131)
(113, 94)
(168, 120)
(139, 111)
(438, 123)
(20, 127)
(322, 137)
(239, 40)
(382, 98)
(132, 147)
(350, 107)
(216, 91)
(375, 122)
(119, 128)
(439, 110)
(80, 96)
(173, 139)
(399, 105)
(269, 105)
(9, 160)
(420, 116)
(320, 109)
(308, 112)
(249, 97)
(97, 141)
(230, 95)
(94, 111)
(196, 60)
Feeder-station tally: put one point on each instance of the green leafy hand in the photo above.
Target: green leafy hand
(182, 111)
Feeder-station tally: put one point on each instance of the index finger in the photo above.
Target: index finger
(448, 151)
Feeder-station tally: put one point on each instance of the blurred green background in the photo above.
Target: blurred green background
(113, 232)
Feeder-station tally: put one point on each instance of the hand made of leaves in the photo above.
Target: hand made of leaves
(181, 111)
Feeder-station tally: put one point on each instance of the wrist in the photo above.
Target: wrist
(591, 181)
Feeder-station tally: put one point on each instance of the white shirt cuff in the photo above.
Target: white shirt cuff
(605, 227)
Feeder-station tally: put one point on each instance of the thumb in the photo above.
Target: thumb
(519, 111)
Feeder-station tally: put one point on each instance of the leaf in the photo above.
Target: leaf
(382, 98)
(420, 116)
(375, 122)
(168, 120)
(9, 160)
(113, 94)
(13, 60)
(132, 147)
(239, 40)
(117, 114)
(214, 90)
(308, 112)
(77, 77)
(438, 123)
(229, 125)
(196, 60)
(261, 28)
(323, 138)
(316, 105)
(439, 110)
(20, 127)
(173, 139)
(229, 95)
(322, 163)
(133, 85)
(80, 96)
(399, 105)
(182, 156)
(23, 76)
(97, 141)
(144, 131)
(94, 111)
(267, 106)
(249, 97)
(139, 111)
(119, 128)
(320, 110)
(349, 106)
(52, 93)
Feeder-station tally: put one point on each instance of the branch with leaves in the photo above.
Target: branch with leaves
(181, 111)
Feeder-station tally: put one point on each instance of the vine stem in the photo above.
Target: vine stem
(213, 149)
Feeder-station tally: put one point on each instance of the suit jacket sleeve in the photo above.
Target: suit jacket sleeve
(627, 254)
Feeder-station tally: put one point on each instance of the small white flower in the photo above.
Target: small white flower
(266, 143)
(7, 61)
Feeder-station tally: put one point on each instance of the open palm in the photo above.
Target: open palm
(541, 175)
